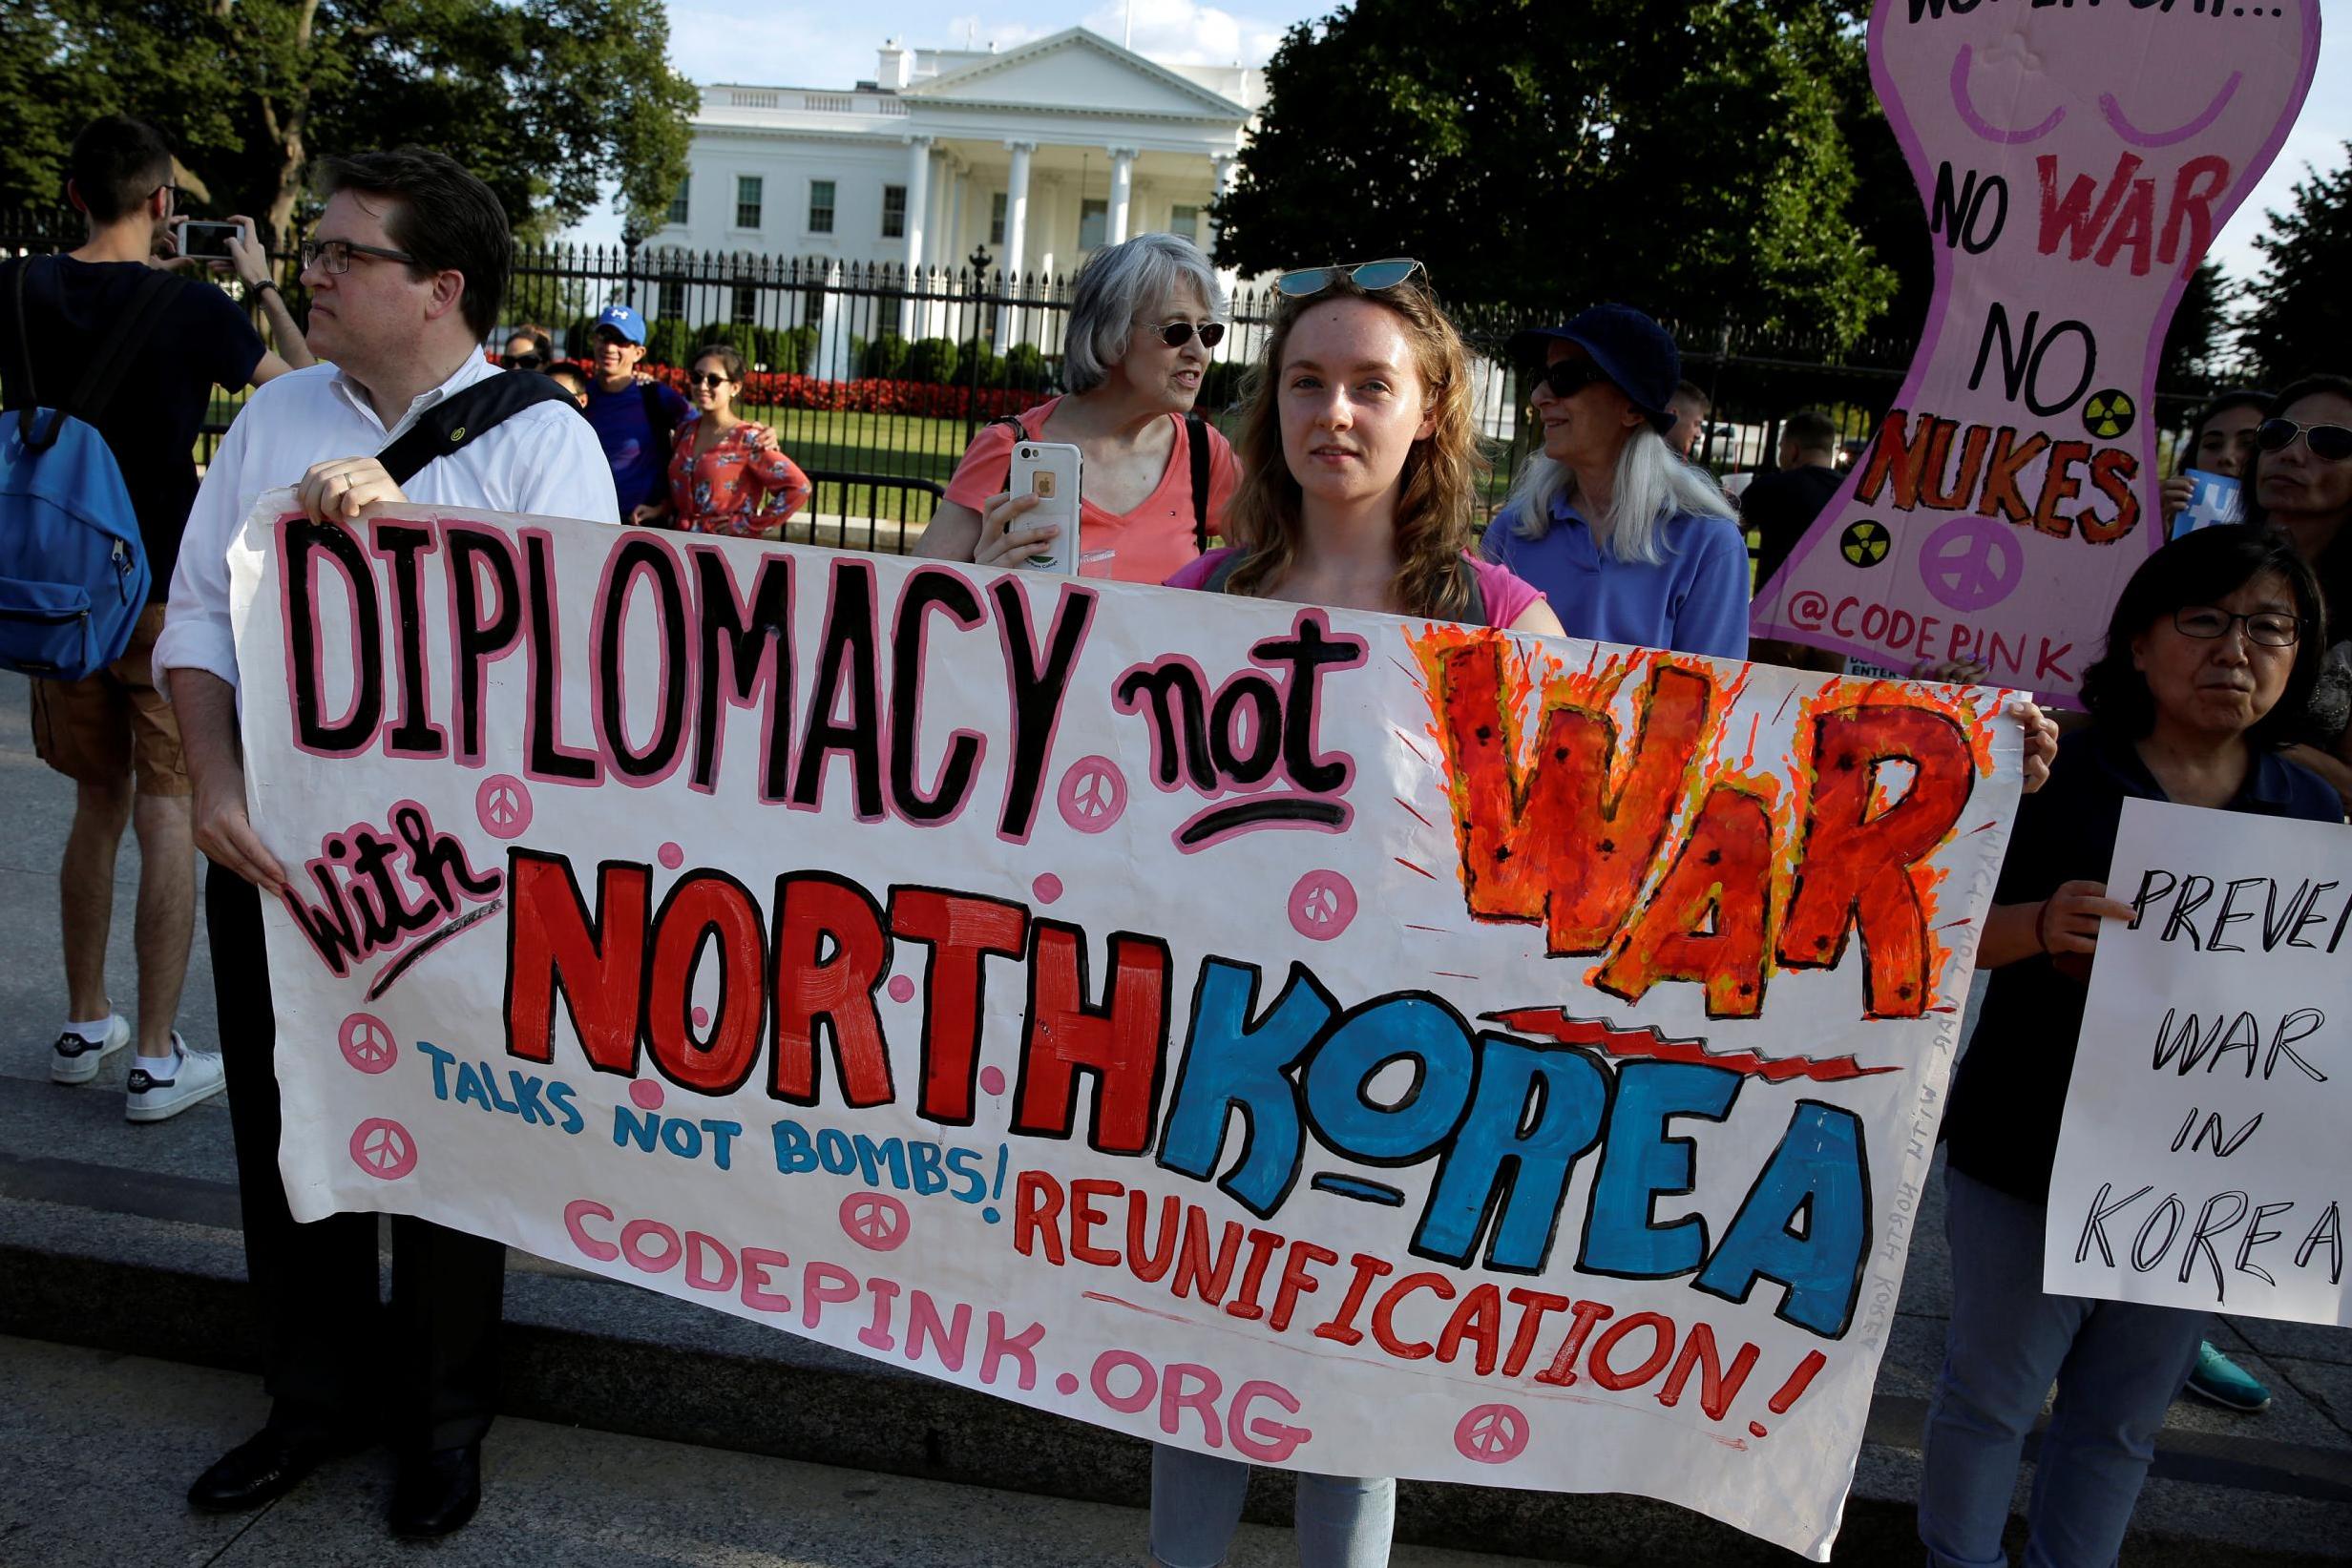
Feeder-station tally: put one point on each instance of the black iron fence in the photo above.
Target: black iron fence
(874, 376)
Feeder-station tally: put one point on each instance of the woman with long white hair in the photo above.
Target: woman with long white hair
(1628, 542)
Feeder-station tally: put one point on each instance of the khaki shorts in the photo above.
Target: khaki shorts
(114, 724)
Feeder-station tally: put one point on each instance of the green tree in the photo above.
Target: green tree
(2300, 310)
(2192, 347)
(545, 99)
(1685, 157)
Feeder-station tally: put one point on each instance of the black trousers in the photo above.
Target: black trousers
(421, 1372)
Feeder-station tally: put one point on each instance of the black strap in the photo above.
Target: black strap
(1196, 441)
(1021, 433)
(658, 415)
(463, 416)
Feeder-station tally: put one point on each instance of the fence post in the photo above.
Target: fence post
(979, 259)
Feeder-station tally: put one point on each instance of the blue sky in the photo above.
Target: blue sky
(803, 45)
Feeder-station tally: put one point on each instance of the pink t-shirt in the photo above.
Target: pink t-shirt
(1143, 545)
(1507, 597)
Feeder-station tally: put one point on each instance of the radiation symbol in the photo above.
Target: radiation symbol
(2108, 414)
(1863, 543)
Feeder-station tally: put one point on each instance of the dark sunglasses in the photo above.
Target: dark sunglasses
(525, 362)
(1176, 334)
(1374, 276)
(709, 381)
(2328, 442)
(1569, 377)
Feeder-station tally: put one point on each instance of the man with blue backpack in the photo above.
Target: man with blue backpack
(109, 361)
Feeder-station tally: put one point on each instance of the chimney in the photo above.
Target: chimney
(895, 69)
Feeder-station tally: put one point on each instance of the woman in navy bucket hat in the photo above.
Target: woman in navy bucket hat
(1630, 543)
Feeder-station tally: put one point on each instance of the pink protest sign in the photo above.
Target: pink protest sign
(2075, 162)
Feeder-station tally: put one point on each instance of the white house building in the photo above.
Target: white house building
(1040, 154)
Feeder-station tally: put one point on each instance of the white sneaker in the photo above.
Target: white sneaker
(198, 1077)
(77, 1060)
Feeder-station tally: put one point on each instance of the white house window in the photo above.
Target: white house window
(747, 188)
(1094, 220)
(673, 303)
(893, 212)
(677, 202)
(821, 206)
(1185, 222)
(996, 218)
(746, 303)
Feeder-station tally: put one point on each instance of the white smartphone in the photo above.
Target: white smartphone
(1050, 470)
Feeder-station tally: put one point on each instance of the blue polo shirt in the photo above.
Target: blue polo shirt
(1694, 601)
(2010, 1092)
(641, 461)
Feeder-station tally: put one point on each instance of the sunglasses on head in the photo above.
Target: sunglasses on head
(1176, 334)
(2328, 442)
(1374, 276)
(1569, 377)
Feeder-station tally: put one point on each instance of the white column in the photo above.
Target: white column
(1223, 164)
(918, 198)
(938, 240)
(1016, 206)
(1123, 191)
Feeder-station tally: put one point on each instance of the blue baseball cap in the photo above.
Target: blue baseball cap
(1633, 351)
(623, 320)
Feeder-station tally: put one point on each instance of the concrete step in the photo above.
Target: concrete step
(553, 1497)
(139, 1250)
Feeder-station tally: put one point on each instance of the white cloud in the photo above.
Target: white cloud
(794, 45)
(1187, 32)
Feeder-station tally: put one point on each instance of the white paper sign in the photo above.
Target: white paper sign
(1362, 1045)
(2205, 1158)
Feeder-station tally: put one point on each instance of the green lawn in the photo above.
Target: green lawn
(889, 446)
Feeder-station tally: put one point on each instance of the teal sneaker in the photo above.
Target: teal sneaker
(2220, 1381)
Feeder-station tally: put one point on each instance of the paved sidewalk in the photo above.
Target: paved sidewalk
(551, 1496)
(83, 1197)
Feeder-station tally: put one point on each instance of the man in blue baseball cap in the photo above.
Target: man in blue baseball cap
(635, 420)
(1630, 544)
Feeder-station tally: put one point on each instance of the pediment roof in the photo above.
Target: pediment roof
(1075, 71)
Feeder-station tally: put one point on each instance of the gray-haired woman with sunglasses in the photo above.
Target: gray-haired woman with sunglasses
(1142, 321)
(2302, 486)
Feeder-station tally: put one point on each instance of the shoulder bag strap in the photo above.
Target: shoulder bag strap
(464, 416)
(1196, 440)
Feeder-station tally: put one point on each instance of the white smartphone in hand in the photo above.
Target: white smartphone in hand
(1051, 472)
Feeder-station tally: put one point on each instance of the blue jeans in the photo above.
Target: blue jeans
(1196, 1498)
(2116, 1365)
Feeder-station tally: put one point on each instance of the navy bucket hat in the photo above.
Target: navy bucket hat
(1634, 351)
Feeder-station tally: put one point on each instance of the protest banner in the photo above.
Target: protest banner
(2075, 162)
(1317, 1037)
(2202, 1162)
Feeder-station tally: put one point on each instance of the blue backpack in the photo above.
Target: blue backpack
(73, 575)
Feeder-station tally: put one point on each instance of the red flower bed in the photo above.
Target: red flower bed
(777, 389)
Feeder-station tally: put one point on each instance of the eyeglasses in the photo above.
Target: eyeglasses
(1176, 334)
(2271, 628)
(334, 256)
(709, 381)
(180, 198)
(1374, 276)
(2328, 442)
(524, 362)
(1569, 377)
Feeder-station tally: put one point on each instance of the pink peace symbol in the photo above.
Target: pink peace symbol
(382, 1148)
(503, 805)
(1322, 903)
(1973, 563)
(1491, 1435)
(367, 1042)
(1094, 793)
(874, 1220)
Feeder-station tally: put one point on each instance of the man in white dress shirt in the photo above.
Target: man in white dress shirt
(406, 273)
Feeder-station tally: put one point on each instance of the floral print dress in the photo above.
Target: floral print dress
(742, 486)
